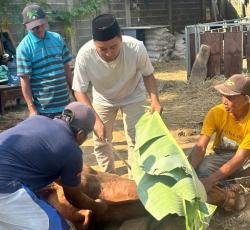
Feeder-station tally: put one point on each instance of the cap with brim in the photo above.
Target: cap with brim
(235, 85)
(83, 117)
(222, 89)
(105, 27)
(33, 15)
(35, 23)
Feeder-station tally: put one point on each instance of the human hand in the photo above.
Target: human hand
(208, 183)
(156, 106)
(83, 218)
(99, 129)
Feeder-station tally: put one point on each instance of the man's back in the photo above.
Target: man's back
(36, 152)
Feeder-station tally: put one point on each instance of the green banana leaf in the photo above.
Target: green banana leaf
(166, 182)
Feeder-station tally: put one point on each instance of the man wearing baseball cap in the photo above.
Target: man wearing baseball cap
(230, 122)
(43, 65)
(35, 153)
(119, 70)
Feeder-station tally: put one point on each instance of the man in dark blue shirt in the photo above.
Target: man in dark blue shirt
(35, 153)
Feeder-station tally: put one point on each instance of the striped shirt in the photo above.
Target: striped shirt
(43, 61)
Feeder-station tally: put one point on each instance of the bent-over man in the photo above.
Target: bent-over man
(119, 69)
(35, 153)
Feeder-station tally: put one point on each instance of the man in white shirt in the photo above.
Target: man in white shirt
(119, 70)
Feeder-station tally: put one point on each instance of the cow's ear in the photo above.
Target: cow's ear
(80, 137)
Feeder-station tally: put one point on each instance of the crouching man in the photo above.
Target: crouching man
(35, 153)
(230, 121)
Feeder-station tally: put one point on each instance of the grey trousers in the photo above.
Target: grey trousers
(130, 115)
(212, 163)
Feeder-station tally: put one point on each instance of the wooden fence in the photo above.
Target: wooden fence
(229, 46)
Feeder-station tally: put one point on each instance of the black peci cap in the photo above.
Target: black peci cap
(105, 27)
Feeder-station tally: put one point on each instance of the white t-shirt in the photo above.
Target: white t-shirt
(114, 83)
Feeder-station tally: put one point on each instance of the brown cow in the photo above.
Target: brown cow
(120, 193)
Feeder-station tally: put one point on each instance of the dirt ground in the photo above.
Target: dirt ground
(185, 106)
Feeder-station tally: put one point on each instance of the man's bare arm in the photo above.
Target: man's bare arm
(80, 200)
(199, 151)
(150, 85)
(230, 167)
(26, 90)
(69, 75)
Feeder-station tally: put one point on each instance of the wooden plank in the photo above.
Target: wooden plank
(192, 49)
(248, 50)
(214, 41)
(235, 29)
(232, 53)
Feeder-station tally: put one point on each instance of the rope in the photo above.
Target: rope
(236, 179)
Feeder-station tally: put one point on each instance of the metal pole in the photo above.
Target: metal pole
(187, 53)
(127, 13)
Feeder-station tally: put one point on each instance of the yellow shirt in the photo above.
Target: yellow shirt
(230, 134)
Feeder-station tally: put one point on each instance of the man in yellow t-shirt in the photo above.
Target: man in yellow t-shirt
(230, 122)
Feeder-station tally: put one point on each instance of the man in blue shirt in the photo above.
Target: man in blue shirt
(43, 65)
(34, 154)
